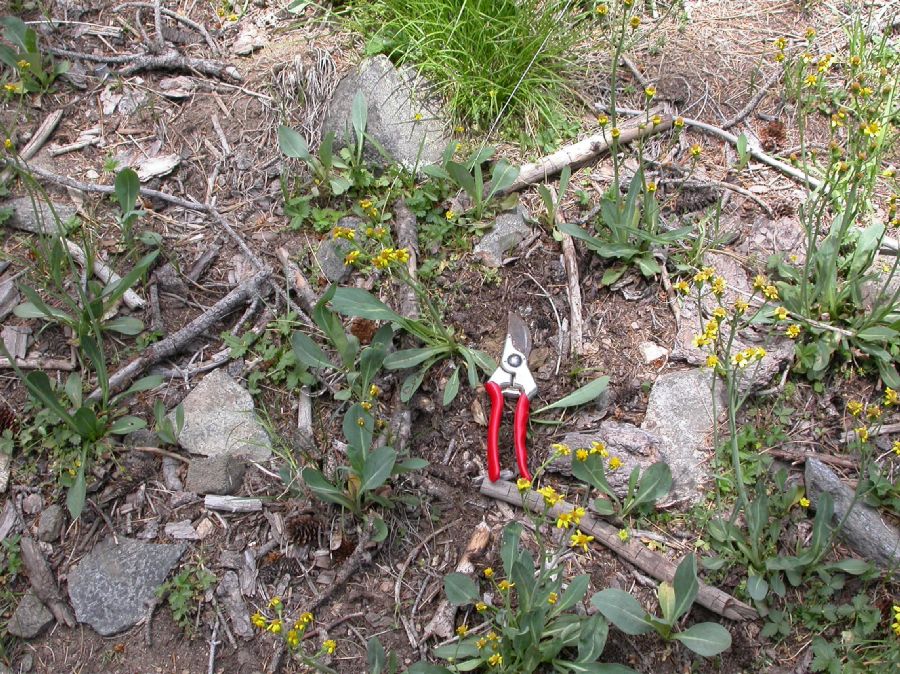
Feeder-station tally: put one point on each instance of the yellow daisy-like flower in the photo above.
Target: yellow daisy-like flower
(811, 81)
(581, 454)
(718, 286)
(615, 463)
(366, 204)
(740, 306)
(258, 620)
(351, 258)
(366, 405)
(855, 408)
(462, 630)
(720, 314)
(810, 33)
(651, 187)
(656, 119)
(275, 603)
(553, 598)
(344, 233)
(505, 585)
(481, 607)
(650, 91)
(804, 502)
(329, 646)
(678, 123)
(293, 639)
(599, 448)
(488, 572)
(760, 282)
(871, 129)
(564, 521)
(374, 391)
(274, 627)
(891, 397)
(635, 22)
(418, 117)
(895, 447)
(551, 497)
(712, 361)
(602, 10)
(459, 128)
(873, 412)
(495, 660)
(577, 514)
(781, 313)
(492, 636)
(771, 292)
(682, 287)
(492, 93)
(862, 433)
(23, 64)
(8, 144)
(580, 540)
(615, 132)
(523, 485)
(561, 449)
(696, 150)
(793, 331)
(602, 120)
(740, 359)
(450, 215)
(780, 43)
(623, 535)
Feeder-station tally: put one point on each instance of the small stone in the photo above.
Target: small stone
(216, 475)
(865, 529)
(205, 528)
(32, 504)
(331, 252)
(29, 618)
(111, 585)
(91, 175)
(51, 523)
(651, 351)
(182, 531)
(25, 664)
(170, 280)
(680, 413)
(156, 167)
(229, 594)
(9, 297)
(248, 40)
(510, 229)
(219, 418)
(41, 220)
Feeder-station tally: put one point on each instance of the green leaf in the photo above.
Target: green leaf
(592, 472)
(412, 383)
(308, 352)
(410, 465)
(578, 586)
(622, 610)
(686, 585)
(380, 530)
(435, 171)
(322, 488)
(339, 185)
(463, 178)
(460, 589)
(593, 667)
(77, 493)
(359, 114)
(127, 188)
(706, 639)
(648, 265)
(38, 385)
(400, 360)
(757, 588)
(359, 302)
(665, 593)
(74, 389)
(604, 507)
(124, 325)
(502, 176)
(509, 545)
(375, 656)
(878, 333)
(293, 144)
(427, 668)
(452, 387)
(114, 291)
(377, 468)
(655, 483)
(581, 396)
(126, 425)
(358, 427)
(854, 567)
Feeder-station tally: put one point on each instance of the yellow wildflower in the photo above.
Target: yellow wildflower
(365, 204)
(623, 535)
(523, 485)
(678, 123)
(329, 646)
(720, 314)
(344, 233)
(615, 463)
(760, 282)
(615, 132)
(602, 10)
(581, 454)
(488, 572)
(481, 607)
(274, 627)
(351, 257)
(374, 391)
(462, 630)
(564, 521)
(418, 117)
(780, 43)
(793, 331)
(551, 497)
(811, 80)
(682, 287)
(258, 620)
(635, 22)
(602, 120)
(804, 502)
(740, 359)
(561, 449)
(492, 636)
(712, 361)
(873, 412)
(459, 128)
(656, 119)
(495, 660)
(855, 408)
(580, 540)
(718, 286)
(895, 447)
(366, 405)
(895, 626)
(871, 129)
(553, 598)
(293, 639)
(771, 292)
(275, 603)
(781, 313)
(505, 585)
(450, 215)
(891, 397)
(650, 91)
(599, 448)
(651, 187)
(696, 150)
(863, 434)
(8, 144)
(810, 33)
(577, 514)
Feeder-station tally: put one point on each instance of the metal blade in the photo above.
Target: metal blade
(519, 334)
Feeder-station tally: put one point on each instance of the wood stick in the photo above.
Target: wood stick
(573, 285)
(47, 127)
(648, 561)
(849, 436)
(232, 504)
(580, 153)
(753, 102)
(801, 457)
(132, 300)
(44, 582)
(307, 296)
(39, 364)
(172, 344)
(177, 17)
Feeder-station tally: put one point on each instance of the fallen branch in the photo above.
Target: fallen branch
(177, 17)
(47, 127)
(754, 101)
(307, 295)
(578, 154)
(171, 60)
(132, 300)
(43, 581)
(232, 504)
(40, 364)
(175, 342)
(573, 285)
(645, 559)
(850, 436)
(801, 457)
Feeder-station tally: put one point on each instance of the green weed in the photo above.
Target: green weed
(27, 70)
(184, 594)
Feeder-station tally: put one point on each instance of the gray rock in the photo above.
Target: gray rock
(394, 99)
(784, 238)
(219, 418)
(331, 252)
(882, 288)
(215, 475)
(229, 594)
(5, 460)
(38, 220)
(632, 445)
(9, 297)
(111, 586)
(510, 229)
(32, 504)
(864, 530)
(680, 413)
(182, 531)
(29, 618)
(50, 525)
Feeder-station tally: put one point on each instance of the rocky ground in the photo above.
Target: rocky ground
(216, 505)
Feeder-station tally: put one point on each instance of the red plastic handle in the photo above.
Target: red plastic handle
(520, 429)
(493, 440)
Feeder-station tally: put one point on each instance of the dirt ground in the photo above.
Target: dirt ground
(715, 60)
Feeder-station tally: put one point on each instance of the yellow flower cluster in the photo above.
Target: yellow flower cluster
(615, 463)
(580, 540)
(368, 207)
(343, 233)
(895, 626)
(710, 332)
(573, 517)
(599, 448)
(891, 397)
(523, 485)
(793, 331)
(561, 449)
(551, 496)
(388, 255)
(751, 355)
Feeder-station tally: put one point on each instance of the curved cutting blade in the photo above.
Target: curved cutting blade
(519, 334)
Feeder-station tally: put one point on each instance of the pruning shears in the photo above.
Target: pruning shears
(512, 379)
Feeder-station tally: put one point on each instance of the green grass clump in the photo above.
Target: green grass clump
(481, 53)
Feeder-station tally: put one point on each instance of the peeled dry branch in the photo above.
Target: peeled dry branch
(132, 300)
(645, 559)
